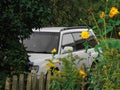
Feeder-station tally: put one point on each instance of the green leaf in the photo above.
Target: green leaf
(111, 21)
(100, 21)
(117, 22)
(97, 48)
(109, 28)
(86, 45)
(94, 27)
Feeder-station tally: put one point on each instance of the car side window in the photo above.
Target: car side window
(67, 40)
(78, 41)
(92, 42)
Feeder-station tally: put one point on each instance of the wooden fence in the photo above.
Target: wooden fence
(31, 82)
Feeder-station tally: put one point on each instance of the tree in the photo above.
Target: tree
(17, 18)
(64, 13)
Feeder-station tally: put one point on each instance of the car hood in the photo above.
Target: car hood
(38, 57)
(40, 60)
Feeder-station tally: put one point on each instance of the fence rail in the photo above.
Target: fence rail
(31, 82)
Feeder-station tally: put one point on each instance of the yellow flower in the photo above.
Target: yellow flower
(114, 11)
(85, 35)
(50, 64)
(48, 69)
(119, 33)
(54, 51)
(82, 73)
(102, 15)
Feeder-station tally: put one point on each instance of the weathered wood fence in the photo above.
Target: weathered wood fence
(32, 82)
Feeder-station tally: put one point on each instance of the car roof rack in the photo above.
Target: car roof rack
(75, 27)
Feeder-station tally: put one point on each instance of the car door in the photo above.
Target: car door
(74, 41)
(80, 50)
(91, 49)
(88, 54)
(67, 41)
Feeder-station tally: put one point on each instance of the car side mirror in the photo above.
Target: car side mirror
(67, 49)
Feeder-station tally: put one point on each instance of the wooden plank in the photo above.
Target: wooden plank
(7, 84)
(48, 81)
(41, 81)
(28, 87)
(21, 82)
(34, 79)
(14, 83)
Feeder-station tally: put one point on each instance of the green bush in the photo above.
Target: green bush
(106, 74)
(69, 77)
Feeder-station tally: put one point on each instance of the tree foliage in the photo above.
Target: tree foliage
(17, 18)
(64, 13)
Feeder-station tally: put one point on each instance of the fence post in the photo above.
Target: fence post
(48, 81)
(21, 82)
(14, 83)
(41, 81)
(34, 79)
(28, 87)
(7, 84)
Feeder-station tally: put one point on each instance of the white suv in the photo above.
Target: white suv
(43, 40)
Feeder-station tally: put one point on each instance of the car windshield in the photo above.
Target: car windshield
(42, 42)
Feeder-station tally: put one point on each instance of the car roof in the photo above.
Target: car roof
(48, 29)
(57, 29)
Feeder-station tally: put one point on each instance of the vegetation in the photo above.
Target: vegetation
(69, 77)
(18, 17)
(105, 74)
